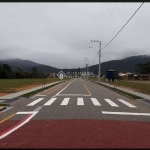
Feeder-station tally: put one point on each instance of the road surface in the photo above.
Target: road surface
(75, 114)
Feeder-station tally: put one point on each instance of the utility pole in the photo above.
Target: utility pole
(99, 68)
(86, 59)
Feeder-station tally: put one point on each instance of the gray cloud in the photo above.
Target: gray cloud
(59, 34)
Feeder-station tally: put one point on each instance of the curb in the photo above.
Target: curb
(2, 108)
(116, 91)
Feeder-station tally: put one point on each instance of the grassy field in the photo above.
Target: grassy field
(138, 86)
(15, 85)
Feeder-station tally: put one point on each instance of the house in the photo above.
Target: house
(145, 76)
(52, 75)
(126, 76)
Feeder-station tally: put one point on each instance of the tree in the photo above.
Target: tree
(19, 73)
(34, 72)
(7, 69)
(143, 68)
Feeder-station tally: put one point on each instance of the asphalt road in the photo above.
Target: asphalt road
(75, 114)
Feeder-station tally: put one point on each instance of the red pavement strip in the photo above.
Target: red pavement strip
(79, 134)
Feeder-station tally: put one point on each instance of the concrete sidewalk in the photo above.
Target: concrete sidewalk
(13, 95)
(145, 96)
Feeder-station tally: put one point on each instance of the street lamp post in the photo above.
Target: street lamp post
(99, 68)
(86, 59)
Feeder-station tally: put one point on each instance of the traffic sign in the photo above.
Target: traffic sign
(61, 75)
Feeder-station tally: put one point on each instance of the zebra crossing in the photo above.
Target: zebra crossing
(80, 102)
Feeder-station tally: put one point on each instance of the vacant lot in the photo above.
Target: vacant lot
(139, 86)
(14, 85)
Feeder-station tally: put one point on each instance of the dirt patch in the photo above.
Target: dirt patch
(26, 87)
(129, 88)
(2, 94)
(147, 82)
(21, 89)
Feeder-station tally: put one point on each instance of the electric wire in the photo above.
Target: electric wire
(122, 27)
(103, 18)
(108, 19)
(99, 19)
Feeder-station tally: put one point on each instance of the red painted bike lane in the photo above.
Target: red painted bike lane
(79, 134)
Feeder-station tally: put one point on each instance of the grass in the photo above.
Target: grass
(27, 95)
(136, 85)
(4, 104)
(122, 92)
(132, 96)
(10, 85)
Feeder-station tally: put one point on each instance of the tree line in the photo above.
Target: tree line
(7, 73)
(143, 68)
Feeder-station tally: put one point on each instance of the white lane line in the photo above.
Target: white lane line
(126, 103)
(41, 95)
(80, 101)
(65, 87)
(65, 101)
(50, 101)
(35, 102)
(111, 103)
(126, 113)
(95, 102)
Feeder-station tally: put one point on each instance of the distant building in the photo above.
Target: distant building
(52, 75)
(145, 76)
(126, 76)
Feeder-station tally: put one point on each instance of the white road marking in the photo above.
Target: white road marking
(95, 102)
(4, 134)
(7, 109)
(65, 101)
(73, 95)
(2, 101)
(126, 113)
(50, 101)
(28, 112)
(65, 87)
(111, 103)
(126, 103)
(41, 95)
(35, 102)
(80, 101)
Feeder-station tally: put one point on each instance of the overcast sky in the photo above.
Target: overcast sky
(59, 34)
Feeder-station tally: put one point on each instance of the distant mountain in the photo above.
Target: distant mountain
(27, 65)
(19, 62)
(124, 65)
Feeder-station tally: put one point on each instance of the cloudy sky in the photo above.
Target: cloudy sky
(59, 34)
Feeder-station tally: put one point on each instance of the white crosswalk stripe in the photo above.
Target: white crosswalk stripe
(65, 101)
(50, 101)
(95, 102)
(111, 103)
(126, 103)
(35, 102)
(80, 101)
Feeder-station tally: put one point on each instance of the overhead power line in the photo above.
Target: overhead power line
(104, 18)
(99, 19)
(119, 31)
(94, 59)
(122, 27)
(108, 19)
